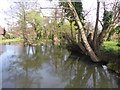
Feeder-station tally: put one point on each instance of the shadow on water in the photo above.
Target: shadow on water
(51, 67)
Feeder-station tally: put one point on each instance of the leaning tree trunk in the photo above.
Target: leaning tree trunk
(81, 28)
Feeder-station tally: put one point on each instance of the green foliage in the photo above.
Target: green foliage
(114, 66)
(111, 65)
(117, 30)
(7, 36)
(107, 19)
(69, 13)
(113, 31)
(79, 9)
(34, 17)
(36, 21)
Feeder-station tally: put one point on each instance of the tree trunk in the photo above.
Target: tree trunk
(96, 27)
(87, 46)
(80, 44)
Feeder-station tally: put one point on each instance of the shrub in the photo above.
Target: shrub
(7, 36)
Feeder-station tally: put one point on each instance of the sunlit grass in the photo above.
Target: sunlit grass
(41, 41)
(10, 40)
(111, 43)
(111, 47)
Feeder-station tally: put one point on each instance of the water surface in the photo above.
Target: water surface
(51, 67)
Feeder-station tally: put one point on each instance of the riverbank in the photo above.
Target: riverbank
(10, 41)
(110, 48)
(113, 50)
(35, 43)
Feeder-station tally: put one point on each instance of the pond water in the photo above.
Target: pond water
(51, 67)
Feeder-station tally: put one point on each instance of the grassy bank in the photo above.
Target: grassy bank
(35, 43)
(10, 40)
(113, 48)
(109, 47)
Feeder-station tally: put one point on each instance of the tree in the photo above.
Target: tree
(34, 18)
(21, 13)
(53, 26)
(93, 49)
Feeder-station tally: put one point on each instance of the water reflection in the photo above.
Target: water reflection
(51, 67)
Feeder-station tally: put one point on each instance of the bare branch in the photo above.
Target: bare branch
(101, 23)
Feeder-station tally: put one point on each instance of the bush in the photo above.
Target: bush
(118, 44)
(7, 36)
(114, 66)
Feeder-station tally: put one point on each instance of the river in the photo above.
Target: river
(51, 67)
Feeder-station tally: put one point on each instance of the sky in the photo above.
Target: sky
(4, 5)
(88, 5)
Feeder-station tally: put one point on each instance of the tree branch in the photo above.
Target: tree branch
(101, 23)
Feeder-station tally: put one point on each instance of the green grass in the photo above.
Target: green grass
(41, 41)
(111, 47)
(10, 40)
(112, 43)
